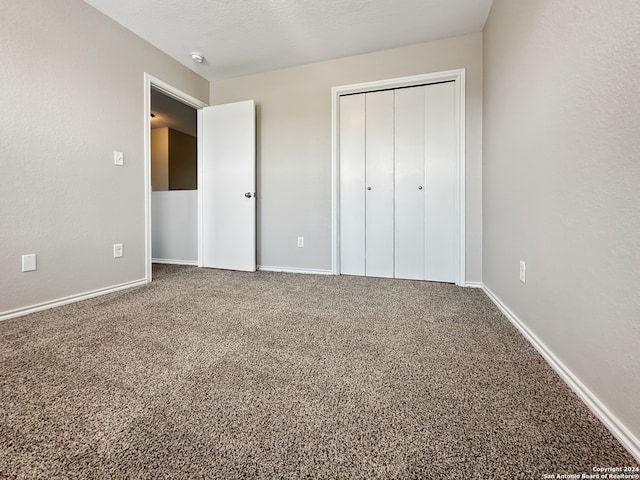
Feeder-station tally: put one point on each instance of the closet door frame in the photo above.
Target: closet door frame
(457, 76)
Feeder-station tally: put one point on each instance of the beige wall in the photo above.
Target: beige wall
(294, 144)
(72, 93)
(183, 161)
(561, 181)
(160, 159)
(174, 160)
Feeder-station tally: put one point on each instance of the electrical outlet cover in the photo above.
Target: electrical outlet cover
(29, 262)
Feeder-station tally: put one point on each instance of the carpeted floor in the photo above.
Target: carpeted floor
(217, 374)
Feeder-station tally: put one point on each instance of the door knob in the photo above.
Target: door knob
(248, 194)
(419, 187)
(368, 188)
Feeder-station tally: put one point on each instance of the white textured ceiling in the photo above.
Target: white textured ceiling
(241, 37)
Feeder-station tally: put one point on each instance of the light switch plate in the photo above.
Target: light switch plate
(118, 158)
(29, 262)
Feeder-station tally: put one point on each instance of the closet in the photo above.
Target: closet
(398, 173)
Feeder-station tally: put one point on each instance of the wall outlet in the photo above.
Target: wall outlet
(118, 158)
(300, 242)
(29, 262)
(117, 250)
(523, 272)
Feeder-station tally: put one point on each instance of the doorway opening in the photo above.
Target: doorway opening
(172, 159)
(174, 181)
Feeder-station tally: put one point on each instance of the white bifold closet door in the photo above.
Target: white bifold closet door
(409, 183)
(352, 187)
(441, 165)
(379, 184)
(398, 166)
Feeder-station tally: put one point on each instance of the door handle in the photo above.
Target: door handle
(248, 194)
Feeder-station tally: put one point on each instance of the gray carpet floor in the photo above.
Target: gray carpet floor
(218, 374)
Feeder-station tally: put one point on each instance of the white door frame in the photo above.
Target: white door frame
(173, 92)
(457, 76)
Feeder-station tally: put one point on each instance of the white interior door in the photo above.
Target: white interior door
(227, 181)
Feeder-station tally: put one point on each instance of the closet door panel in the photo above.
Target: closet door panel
(409, 183)
(379, 249)
(440, 194)
(352, 187)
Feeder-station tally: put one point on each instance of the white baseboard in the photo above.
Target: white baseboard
(615, 426)
(473, 284)
(19, 312)
(170, 261)
(265, 268)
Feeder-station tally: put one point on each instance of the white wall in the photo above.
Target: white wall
(294, 144)
(72, 93)
(561, 181)
(174, 220)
